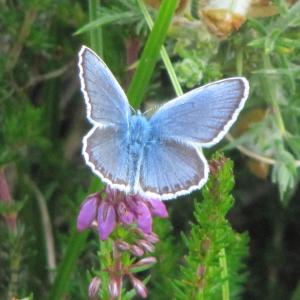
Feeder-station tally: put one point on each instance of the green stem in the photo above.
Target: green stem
(224, 275)
(147, 62)
(163, 52)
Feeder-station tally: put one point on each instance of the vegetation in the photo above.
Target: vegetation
(211, 246)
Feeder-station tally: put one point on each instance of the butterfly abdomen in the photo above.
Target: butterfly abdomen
(139, 131)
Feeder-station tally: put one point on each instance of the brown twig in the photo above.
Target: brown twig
(47, 76)
(254, 155)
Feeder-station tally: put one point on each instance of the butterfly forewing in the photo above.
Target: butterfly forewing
(203, 115)
(170, 169)
(106, 102)
(104, 147)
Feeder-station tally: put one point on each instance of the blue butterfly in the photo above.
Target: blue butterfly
(159, 157)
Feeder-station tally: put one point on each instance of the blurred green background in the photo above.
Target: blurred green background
(43, 178)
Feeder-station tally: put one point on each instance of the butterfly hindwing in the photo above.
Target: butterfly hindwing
(170, 169)
(203, 115)
(104, 150)
(106, 101)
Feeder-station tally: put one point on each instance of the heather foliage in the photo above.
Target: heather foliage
(65, 235)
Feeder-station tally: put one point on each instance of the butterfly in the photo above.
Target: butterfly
(159, 156)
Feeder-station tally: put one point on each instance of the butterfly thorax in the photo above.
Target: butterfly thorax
(139, 128)
(139, 135)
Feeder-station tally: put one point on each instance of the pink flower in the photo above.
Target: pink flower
(143, 216)
(158, 209)
(88, 212)
(106, 219)
(115, 208)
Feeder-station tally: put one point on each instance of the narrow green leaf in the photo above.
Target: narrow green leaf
(285, 20)
(150, 53)
(107, 19)
(96, 33)
(163, 53)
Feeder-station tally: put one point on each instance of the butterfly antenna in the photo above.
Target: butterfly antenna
(132, 109)
(152, 109)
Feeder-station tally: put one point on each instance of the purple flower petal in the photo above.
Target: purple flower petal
(143, 216)
(124, 214)
(158, 208)
(87, 213)
(106, 219)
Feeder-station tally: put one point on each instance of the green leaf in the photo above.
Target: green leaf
(142, 76)
(284, 173)
(107, 19)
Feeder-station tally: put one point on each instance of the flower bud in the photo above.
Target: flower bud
(146, 261)
(122, 246)
(146, 245)
(136, 251)
(152, 238)
(139, 287)
(94, 287)
(114, 288)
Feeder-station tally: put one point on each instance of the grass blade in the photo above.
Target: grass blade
(142, 76)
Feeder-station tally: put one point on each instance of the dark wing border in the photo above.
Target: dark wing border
(121, 187)
(83, 85)
(199, 185)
